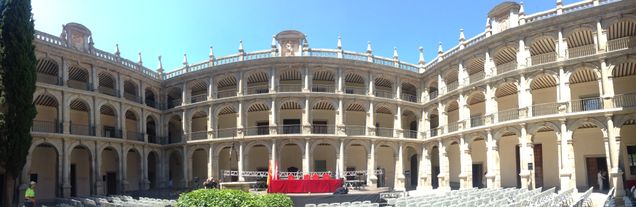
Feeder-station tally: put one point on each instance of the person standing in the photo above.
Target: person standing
(29, 195)
(600, 178)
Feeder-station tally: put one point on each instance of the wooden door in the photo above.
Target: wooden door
(592, 170)
(538, 165)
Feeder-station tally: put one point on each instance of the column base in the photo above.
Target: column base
(99, 188)
(66, 190)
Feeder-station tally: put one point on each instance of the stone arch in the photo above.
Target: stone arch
(509, 130)
(580, 36)
(575, 124)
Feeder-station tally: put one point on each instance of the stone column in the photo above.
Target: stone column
(601, 35)
(615, 173)
(240, 162)
(398, 88)
(122, 122)
(184, 126)
(466, 164)
(210, 88)
(273, 156)
(99, 184)
(185, 98)
(340, 81)
(443, 177)
(563, 87)
(94, 84)
(422, 125)
(273, 114)
(272, 80)
(397, 123)
(211, 160)
(567, 173)
(492, 155)
(399, 170)
(491, 105)
(370, 120)
(522, 55)
(340, 161)
(371, 87)
(372, 179)
(306, 156)
(239, 120)
(424, 182)
(340, 126)
(488, 71)
(144, 168)
(607, 85)
(524, 100)
(66, 178)
(306, 122)
(185, 159)
(306, 87)
(211, 122)
(464, 112)
(525, 157)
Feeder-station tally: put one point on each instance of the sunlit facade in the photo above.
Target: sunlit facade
(545, 99)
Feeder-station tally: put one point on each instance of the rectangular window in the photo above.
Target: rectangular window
(631, 155)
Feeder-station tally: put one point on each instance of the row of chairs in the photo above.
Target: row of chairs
(345, 204)
(115, 201)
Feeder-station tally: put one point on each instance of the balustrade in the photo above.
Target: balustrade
(384, 132)
(289, 129)
(625, 100)
(108, 91)
(174, 103)
(323, 88)
(453, 126)
(586, 104)
(49, 79)
(227, 132)
(78, 85)
(46, 126)
(476, 121)
(545, 109)
(80, 129)
(506, 67)
(620, 43)
(111, 132)
(258, 130)
(355, 90)
(476, 77)
(452, 86)
(290, 88)
(355, 130)
(257, 89)
(198, 98)
(132, 97)
(226, 93)
(199, 135)
(133, 135)
(432, 95)
(507, 115)
(434, 132)
(410, 134)
(409, 97)
(322, 129)
(543, 58)
(581, 51)
(383, 94)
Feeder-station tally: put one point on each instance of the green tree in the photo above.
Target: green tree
(18, 63)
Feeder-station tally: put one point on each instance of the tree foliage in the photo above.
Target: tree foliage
(18, 65)
(232, 198)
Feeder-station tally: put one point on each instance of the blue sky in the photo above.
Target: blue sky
(172, 28)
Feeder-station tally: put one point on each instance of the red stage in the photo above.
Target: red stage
(304, 186)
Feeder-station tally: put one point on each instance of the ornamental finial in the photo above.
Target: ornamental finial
(160, 66)
(439, 49)
(139, 59)
(369, 50)
(273, 41)
(559, 3)
(117, 53)
(521, 9)
(185, 59)
(395, 53)
(241, 46)
(339, 46)
(211, 55)
(461, 35)
(421, 61)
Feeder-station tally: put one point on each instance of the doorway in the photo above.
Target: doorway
(434, 179)
(111, 183)
(538, 165)
(478, 176)
(594, 165)
(73, 181)
(414, 172)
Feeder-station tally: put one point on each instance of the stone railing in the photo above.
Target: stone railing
(325, 88)
(507, 115)
(355, 90)
(290, 87)
(355, 130)
(198, 98)
(259, 89)
(545, 109)
(323, 129)
(543, 58)
(581, 51)
(199, 135)
(620, 43)
(384, 132)
(586, 104)
(290, 129)
(46, 126)
(226, 93)
(383, 94)
(257, 131)
(506, 67)
(476, 76)
(224, 133)
(625, 100)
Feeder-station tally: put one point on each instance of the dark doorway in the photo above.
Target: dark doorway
(73, 181)
(538, 165)
(518, 169)
(111, 183)
(478, 175)
(594, 165)
(434, 180)
(291, 126)
(262, 128)
(414, 172)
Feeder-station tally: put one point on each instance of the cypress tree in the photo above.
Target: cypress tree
(19, 64)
